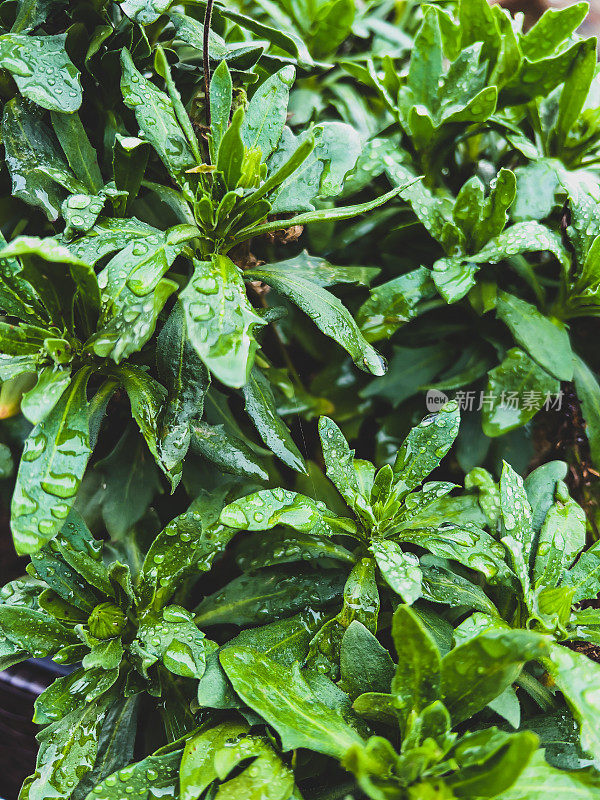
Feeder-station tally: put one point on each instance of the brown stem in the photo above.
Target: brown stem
(206, 61)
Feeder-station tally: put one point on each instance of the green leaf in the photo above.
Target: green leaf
(360, 602)
(267, 111)
(341, 466)
(521, 387)
(540, 486)
(172, 637)
(539, 779)
(323, 273)
(228, 451)
(400, 570)
(285, 547)
(425, 68)
(286, 701)
(476, 672)
(115, 745)
(321, 215)
(33, 631)
(67, 752)
(490, 761)
(146, 397)
(39, 401)
(231, 153)
(31, 14)
(546, 343)
(553, 28)
(394, 303)
(576, 676)
(52, 468)
(220, 319)
(561, 539)
(588, 392)
(42, 70)
(157, 119)
(465, 543)
(456, 275)
(220, 103)
(156, 774)
(144, 11)
(269, 595)
(425, 446)
(33, 158)
(574, 93)
(328, 313)
(263, 510)
(134, 292)
(262, 409)
(322, 171)
(197, 770)
(78, 150)
(537, 78)
(365, 665)
(186, 379)
(442, 585)
(130, 159)
(584, 574)
(416, 682)
(185, 545)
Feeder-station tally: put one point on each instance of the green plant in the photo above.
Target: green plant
(247, 610)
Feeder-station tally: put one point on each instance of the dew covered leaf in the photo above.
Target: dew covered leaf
(454, 276)
(476, 672)
(231, 452)
(400, 570)
(326, 311)
(183, 546)
(42, 70)
(539, 778)
(34, 631)
(270, 507)
(266, 113)
(134, 292)
(52, 468)
(186, 379)
(155, 774)
(172, 637)
(425, 446)
(576, 676)
(524, 385)
(546, 343)
(220, 320)
(286, 701)
(157, 119)
(269, 595)
(416, 682)
(335, 152)
(67, 751)
(144, 11)
(262, 409)
(467, 543)
(146, 397)
(37, 167)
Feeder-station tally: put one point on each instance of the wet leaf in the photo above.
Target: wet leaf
(52, 468)
(285, 700)
(220, 320)
(42, 70)
(326, 311)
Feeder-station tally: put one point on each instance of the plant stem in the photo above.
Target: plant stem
(206, 61)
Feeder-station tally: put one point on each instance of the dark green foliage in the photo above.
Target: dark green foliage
(198, 322)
